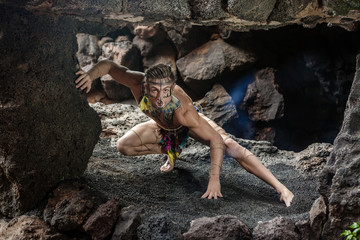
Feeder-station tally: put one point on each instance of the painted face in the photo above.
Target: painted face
(160, 94)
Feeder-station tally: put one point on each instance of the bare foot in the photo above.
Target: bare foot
(167, 167)
(286, 196)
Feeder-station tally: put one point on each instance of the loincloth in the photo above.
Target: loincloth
(173, 140)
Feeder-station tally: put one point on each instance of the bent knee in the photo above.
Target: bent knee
(122, 147)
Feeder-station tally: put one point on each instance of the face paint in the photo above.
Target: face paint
(160, 93)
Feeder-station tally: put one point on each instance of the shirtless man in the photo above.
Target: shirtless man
(174, 118)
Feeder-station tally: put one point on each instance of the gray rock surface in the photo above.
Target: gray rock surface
(28, 228)
(45, 123)
(218, 105)
(100, 224)
(218, 228)
(127, 224)
(340, 181)
(159, 227)
(317, 217)
(207, 63)
(69, 206)
(279, 228)
(263, 100)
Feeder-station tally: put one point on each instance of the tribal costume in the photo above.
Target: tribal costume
(173, 140)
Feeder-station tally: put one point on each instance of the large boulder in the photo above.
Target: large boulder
(279, 228)
(339, 181)
(47, 129)
(27, 228)
(218, 105)
(263, 100)
(220, 227)
(201, 68)
(257, 10)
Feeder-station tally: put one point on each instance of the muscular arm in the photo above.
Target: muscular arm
(121, 74)
(203, 132)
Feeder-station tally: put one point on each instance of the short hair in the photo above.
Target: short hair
(159, 72)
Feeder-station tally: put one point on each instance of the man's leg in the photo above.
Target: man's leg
(251, 163)
(141, 140)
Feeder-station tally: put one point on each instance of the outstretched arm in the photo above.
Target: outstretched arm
(203, 132)
(120, 74)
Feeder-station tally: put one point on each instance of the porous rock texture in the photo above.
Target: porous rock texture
(47, 130)
(340, 180)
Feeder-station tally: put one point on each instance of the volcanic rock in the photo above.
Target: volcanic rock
(219, 227)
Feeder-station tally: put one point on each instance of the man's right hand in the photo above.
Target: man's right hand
(84, 81)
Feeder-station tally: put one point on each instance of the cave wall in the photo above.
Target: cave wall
(47, 129)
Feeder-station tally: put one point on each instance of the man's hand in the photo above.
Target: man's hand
(84, 81)
(213, 190)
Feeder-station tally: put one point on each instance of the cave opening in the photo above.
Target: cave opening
(313, 71)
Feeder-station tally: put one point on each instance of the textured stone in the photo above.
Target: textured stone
(314, 157)
(343, 6)
(158, 227)
(288, 10)
(207, 63)
(207, 9)
(127, 224)
(100, 223)
(340, 181)
(317, 217)
(122, 52)
(262, 100)
(47, 129)
(218, 105)
(304, 229)
(219, 227)
(257, 10)
(69, 206)
(28, 228)
(277, 229)
(88, 50)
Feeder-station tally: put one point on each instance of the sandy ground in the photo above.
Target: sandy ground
(138, 181)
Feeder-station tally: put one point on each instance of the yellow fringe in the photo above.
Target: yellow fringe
(144, 104)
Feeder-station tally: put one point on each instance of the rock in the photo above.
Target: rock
(257, 10)
(209, 62)
(263, 100)
(88, 50)
(317, 217)
(122, 52)
(158, 227)
(69, 206)
(147, 43)
(28, 228)
(218, 105)
(289, 10)
(3, 224)
(187, 37)
(174, 9)
(208, 9)
(127, 224)
(47, 129)
(304, 229)
(314, 157)
(343, 6)
(277, 229)
(117, 119)
(101, 222)
(220, 227)
(339, 182)
(165, 54)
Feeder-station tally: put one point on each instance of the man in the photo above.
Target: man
(174, 118)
